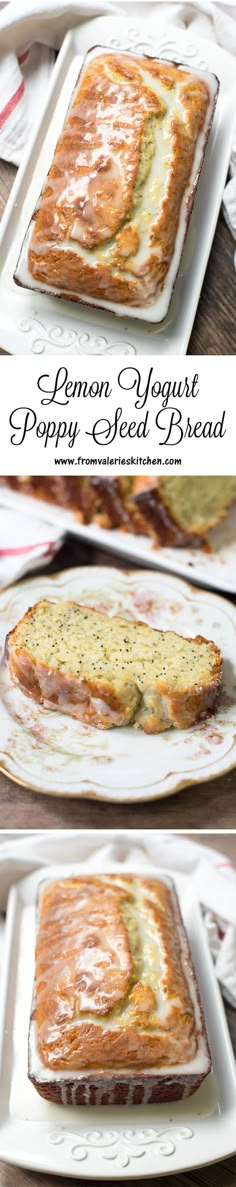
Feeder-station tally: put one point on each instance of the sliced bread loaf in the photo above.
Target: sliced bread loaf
(107, 671)
(105, 501)
(173, 510)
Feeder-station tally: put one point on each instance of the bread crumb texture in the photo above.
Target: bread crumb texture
(108, 671)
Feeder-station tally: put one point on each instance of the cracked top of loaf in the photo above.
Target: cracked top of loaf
(121, 184)
(114, 984)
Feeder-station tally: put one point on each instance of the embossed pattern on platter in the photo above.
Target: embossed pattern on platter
(120, 1146)
(46, 337)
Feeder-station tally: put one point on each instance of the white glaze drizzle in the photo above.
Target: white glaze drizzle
(143, 218)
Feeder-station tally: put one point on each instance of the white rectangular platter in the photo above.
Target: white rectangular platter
(40, 324)
(215, 568)
(98, 1143)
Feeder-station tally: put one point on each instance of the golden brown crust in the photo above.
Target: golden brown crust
(126, 934)
(96, 1003)
(99, 154)
(157, 519)
(93, 500)
(114, 505)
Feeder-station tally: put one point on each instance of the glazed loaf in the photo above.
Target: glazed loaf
(106, 501)
(110, 672)
(111, 221)
(116, 1014)
(174, 511)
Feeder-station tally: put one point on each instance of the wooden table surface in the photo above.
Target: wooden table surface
(206, 805)
(214, 327)
(221, 1174)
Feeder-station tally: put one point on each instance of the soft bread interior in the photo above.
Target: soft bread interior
(196, 504)
(85, 643)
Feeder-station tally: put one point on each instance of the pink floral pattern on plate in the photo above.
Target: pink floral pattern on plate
(65, 757)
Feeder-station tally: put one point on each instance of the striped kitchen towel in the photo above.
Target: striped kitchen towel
(30, 33)
(25, 544)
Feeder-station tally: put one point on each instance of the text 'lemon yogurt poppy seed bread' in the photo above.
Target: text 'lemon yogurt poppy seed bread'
(108, 671)
(179, 511)
(116, 1012)
(111, 221)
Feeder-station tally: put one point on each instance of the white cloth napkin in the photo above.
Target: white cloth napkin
(30, 33)
(211, 876)
(25, 543)
(32, 30)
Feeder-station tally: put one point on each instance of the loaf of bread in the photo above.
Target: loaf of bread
(111, 221)
(112, 672)
(179, 511)
(105, 501)
(116, 1013)
(174, 511)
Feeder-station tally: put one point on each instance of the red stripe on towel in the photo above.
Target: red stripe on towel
(221, 864)
(4, 115)
(26, 548)
(22, 57)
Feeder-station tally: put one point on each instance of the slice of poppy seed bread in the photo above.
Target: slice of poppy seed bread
(182, 510)
(107, 671)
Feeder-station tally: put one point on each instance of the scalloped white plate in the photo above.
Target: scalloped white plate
(39, 324)
(53, 753)
(95, 1143)
(215, 568)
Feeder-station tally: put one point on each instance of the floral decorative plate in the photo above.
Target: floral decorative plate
(52, 753)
